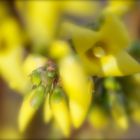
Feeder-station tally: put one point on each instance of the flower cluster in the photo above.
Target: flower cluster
(68, 67)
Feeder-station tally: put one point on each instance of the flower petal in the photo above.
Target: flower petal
(10, 67)
(82, 38)
(92, 65)
(119, 64)
(120, 7)
(98, 117)
(47, 109)
(114, 33)
(76, 85)
(81, 8)
(33, 62)
(60, 111)
(74, 81)
(26, 112)
(42, 19)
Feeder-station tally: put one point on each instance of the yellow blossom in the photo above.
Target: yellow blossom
(131, 87)
(10, 35)
(135, 111)
(11, 54)
(26, 112)
(29, 106)
(98, 117)
(33, 62)
(119, 7)
(120, 117)
(42, 17)
(75, 82)
(60, 111)
(11, 71)
(47, 109)
(103, 52)
(118, 111)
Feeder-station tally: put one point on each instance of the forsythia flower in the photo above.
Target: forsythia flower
(43, 17)
(10, 35)
(116, 103)
(119, 7)
(33, 62)
(131, 87)
(102, 52)
(118, 112)
(60, 110)
(98, 117)
(11, 54)
(75, 82)
(46, 89)
(13, 68)
(48, 114)
(27, 110)
(11, 71)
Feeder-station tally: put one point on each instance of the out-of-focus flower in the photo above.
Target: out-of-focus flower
(10, 35)
(42, 17)
(116, 104)
(102, 52)
(98, 117)
(75, 82)
(33, 62)
(60, 110)
(118, 112)
(131, 87)
(134, 107)
(119, 7)
(29, 107)
(11, 54)
(47, 110)
(45, 88)
(12, 66)
(11, 71)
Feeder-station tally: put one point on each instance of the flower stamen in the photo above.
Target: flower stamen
(98, 52)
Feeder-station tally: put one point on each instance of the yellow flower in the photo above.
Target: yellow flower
(120, 117)
(98, 117)
(53, 100)
(33, 62)
(118, 111)
(75, 82)
(29, 107)
(131, 87)
(10, 35)
(60, 111)
(11, 71)
(119, 7)
(47, 110)
(102, 52)
(55, 107)
(11, 54)
(135, 110)
(13, 68)
(42, 17)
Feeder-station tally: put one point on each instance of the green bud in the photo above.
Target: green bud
(38, 97)
(36, 77)
(111, 84)
(51, 74)
(57, 94)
